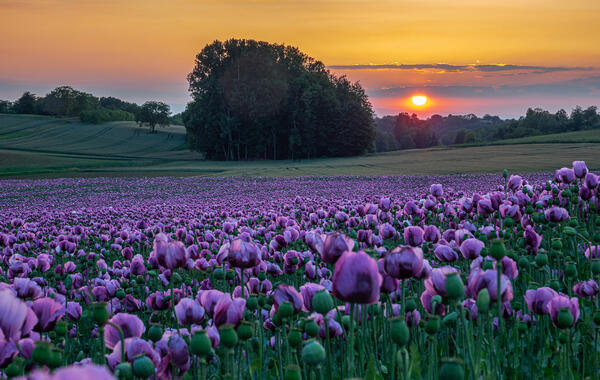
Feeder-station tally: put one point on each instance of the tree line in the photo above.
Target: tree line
(407, 131)
(65, 101)
(256, 100)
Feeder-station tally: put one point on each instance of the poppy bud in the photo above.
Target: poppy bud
(123, 371)
(400, 333)
(295, 337)
(201, 344)
(143, 367)
(228, 336)
(541, 259)
(451, 369)
(433, 324)
(313, 353)
(311, 328)
(99, 313)
(411, 305)
(244, 330)
(505, 173)
(322, 302)
(292, 372)
(497, 249)
(483, 301)
(41, 352)
(455, 289)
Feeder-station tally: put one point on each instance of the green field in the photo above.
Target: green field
(37, 146)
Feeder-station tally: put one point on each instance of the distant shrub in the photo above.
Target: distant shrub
(103, 115)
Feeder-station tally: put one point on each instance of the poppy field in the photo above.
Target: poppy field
(476, 276)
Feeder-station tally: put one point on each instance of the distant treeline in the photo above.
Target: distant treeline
(405, 131)
(65, 101)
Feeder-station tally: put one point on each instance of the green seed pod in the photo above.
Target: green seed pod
(155, 333)
(483, 301)
(509, 223)
(433, 325)
(228, 336)
(42, 352)
(322, 302)
(524, 262)
(99, 313)
(563, 337)
(286, 310)
(570, 270)
(451, 369)
(541, 259)
(230, 274)
(557, 244)
(311, 328)
(399, 331)
(262, 276)
(595, 266)
(565, 318)
(411, 305)
(313, 353)
(252, 303)
(450, 319)
(597, 318)
(554, 285)
(505, 173)
(455, 289)
(121, 294)
(143, 367)
(245, 330)
(219, 274)
(292, 372)
(13, 370)
(123, 371)
(295, 337)
(497, 249)
(201, 344)
(61, 328)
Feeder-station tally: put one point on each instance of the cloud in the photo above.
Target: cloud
(461, 68)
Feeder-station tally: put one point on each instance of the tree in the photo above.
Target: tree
(5, 106)
(26, 104)
(153, 114)
(252, 99)
(66, 101)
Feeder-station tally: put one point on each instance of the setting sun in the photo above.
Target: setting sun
(419, 100)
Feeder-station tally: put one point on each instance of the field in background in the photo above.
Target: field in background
(45, 147)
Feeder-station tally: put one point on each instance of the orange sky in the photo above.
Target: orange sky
(142, 49)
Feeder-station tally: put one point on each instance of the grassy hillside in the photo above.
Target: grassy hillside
(42, 146)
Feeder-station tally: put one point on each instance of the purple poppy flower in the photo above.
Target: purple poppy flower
(356, 278)
(131, 325)
(559, 302)
(579, 169)
(586, 289)
(565, 175)
(471, 248)
(592, 252)
(308, 291)
(229, 311)
(591, 181)
(388, 284)
(387, 231)
(556, 214)
(537, 299)
(532, 240)
(16, 319)
(431, 234)
(175, 355)
(189, 312)
(445, 253)
(334, 245)
(404, 262)
(242, 254)
(479, 279)
(287, 293)
(427, 302)
(515, 182)
(436, 282)
(436, 190)
(413, 236)
(48, 313)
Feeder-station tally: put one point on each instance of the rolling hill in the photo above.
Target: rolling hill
(48, 147)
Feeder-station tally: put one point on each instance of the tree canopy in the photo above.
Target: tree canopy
(153, 114)
(255, 100)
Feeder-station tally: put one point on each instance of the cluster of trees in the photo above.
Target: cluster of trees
(66, 101)
(405, 131)
(255, 100)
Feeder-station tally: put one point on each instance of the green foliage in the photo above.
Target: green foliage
(153, 114)
(176, 119)
(103, 115)
(113, 103)
(5, 106)
(27, 104)
(259, 100)
(66, 101)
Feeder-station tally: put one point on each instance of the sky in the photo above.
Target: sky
(494, 57)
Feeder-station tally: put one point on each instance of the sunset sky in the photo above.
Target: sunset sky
(468, 56)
